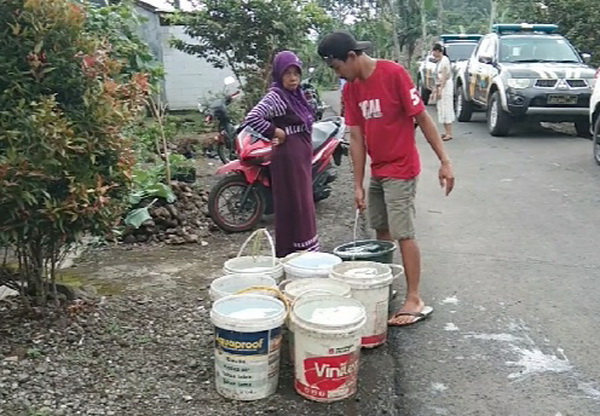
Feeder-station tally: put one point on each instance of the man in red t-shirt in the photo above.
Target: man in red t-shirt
(382, 106)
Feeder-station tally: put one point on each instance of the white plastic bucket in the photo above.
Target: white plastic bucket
(294, 288)
(256, 264)
(232, 284)
(247, 345)
(309, 264)
(371, 285)
(327, 332)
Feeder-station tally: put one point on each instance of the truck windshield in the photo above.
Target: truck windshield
(459, 51)
(536, 49)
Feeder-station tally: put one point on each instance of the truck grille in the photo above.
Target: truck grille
(551, 83)
(577, 83)
(545, 83)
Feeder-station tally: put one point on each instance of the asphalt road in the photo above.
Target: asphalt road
(510, 265)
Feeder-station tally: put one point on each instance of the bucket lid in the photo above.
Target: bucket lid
(313, 260)
(252, 264)
(364, 249)
(363, 273)
(233, 283)
(248, 313)
(295, 288)
(329, 312)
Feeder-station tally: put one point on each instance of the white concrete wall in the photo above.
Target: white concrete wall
(187, 77)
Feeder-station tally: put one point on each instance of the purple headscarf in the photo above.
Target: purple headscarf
(295, 99)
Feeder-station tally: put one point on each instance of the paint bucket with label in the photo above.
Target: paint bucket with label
(255, 264)
(309, 264)
(327, 330)
(247, 345)
(292, 289)
(233, 283)
(370, 282)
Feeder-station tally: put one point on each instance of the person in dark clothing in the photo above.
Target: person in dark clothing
(285, 117)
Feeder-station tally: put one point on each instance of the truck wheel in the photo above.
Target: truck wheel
(463, 107)
(498, 120)
(597, 141)
(582, 126)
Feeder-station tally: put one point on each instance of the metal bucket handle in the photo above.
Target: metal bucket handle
(252, 237)
(398, 267)
(278, 294)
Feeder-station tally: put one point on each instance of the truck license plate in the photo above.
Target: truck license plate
(562, 99)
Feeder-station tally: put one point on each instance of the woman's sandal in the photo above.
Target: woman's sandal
(446, 138)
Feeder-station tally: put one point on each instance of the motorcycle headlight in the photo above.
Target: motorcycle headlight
(519, 83)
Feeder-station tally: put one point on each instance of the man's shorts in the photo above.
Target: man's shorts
(391, 205)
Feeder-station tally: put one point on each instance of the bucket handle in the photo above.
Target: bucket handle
(265, 232)
(399, 270)
(278, 293)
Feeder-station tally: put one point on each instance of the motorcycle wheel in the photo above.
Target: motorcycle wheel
(225, 204)
(225, 153)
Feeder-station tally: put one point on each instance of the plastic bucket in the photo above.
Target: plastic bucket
(292, 289)
(256, 264)
(328, 332)
(309, 264)
(234, 283)
(247, 345)
(379, 251)
(370, 282)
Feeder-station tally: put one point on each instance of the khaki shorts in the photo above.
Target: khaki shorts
(391, 205)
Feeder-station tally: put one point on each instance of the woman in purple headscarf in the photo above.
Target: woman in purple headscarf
(285, 117)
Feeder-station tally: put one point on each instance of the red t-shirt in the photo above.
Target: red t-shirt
(384, 106)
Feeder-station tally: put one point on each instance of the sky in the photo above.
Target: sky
(165, 4)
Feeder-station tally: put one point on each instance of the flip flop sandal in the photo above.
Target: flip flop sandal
(446, 138)
(419, 316)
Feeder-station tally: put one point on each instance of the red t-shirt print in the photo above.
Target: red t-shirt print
(384, 106)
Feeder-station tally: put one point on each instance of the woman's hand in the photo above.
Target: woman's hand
(279, 138)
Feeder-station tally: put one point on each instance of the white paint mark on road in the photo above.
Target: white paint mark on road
(452, 300)
(496, 337)
(439, 387)
(451, 327)
(590, 390)
(533, 361)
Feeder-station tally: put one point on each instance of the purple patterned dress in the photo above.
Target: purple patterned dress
(291, 174)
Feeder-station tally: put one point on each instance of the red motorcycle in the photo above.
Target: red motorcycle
(240, 199)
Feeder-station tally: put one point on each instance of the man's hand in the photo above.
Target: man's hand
(359, 197)
(279, 138)
(446, 176)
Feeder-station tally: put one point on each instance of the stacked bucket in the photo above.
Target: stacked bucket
(329, 309)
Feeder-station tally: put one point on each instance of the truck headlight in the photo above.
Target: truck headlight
(519, 83)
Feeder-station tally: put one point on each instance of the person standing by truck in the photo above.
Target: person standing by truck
(444, 90)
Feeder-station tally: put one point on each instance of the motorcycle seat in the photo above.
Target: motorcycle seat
(322, 131)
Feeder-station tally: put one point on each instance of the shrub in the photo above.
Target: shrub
(65, 166)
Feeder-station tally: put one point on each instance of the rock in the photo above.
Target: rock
(130, 239)
(161, 212)
(142, 238)
(173, 210)
(191, 238)
(23, 377)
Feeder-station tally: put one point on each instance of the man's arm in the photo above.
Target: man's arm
(446, 174)
(358, 153)
(432, 135)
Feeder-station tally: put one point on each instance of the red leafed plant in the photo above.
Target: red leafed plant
(65, 165)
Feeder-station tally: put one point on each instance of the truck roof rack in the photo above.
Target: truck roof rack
(512, 28)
